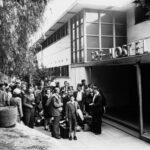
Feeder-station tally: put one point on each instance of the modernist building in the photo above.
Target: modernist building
(83, 29)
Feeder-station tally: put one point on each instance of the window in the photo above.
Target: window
(107, 42)
(65, 71)
(120, 30)
(61, 71)
(120, 17)
(101, 29)
(104, 30)
(77, 38)
(106, 18)
(93, 42)
(107, 29)
(92, 28)
(60, 33)
(91, 17)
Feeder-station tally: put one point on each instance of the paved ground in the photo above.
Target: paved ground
(110, 139)
(21, 137)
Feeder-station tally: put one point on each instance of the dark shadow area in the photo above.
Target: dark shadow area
(146, 96)
(120, 89)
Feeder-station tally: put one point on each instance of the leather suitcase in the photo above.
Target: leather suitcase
(64, 130)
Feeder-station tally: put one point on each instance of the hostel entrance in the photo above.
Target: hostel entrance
(119, 85)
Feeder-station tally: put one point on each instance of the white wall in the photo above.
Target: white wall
(77, 74)
(138, 31)
(57, 54)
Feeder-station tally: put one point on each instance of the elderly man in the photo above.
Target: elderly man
(56, 111)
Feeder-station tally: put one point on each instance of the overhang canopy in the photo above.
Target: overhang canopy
(78, 5)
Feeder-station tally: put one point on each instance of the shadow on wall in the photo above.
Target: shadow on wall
(118, 84)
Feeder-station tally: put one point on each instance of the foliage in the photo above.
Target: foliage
(41, 74)
(144, 4)
(19, 19)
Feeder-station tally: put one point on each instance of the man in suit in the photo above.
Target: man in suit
(65, 88)
(98, 108)
(80, 96)
(56, 111)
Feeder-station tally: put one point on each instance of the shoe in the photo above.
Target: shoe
(75, 138)
(97, 133)
(57, 137)
(70, 138)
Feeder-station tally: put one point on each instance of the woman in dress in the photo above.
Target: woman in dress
(29, 107)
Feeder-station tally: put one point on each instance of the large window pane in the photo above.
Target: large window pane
(78, 56)
(81, 28)
(92, 17)
(107, 42)
(81, 20)
(81, 17)
(93, 41)
(73, 45)
(120, 30)
(92, 28)
(73, 57)
(82, 43)
(106, 18)
(78, 44)
(121, 41)
(82, 56)
(73, 34)
(107, 29)
(77, 32)
(120, 17)
(77, 21)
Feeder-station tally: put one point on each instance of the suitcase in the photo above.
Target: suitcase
(64, 130)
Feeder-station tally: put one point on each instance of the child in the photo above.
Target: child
(71, 108)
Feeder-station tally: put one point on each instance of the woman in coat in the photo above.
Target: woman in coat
(98, 108)
(29, 107)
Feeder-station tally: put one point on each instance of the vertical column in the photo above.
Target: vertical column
(85, 36)
(114, 32)
(139, 88)
(100, 33)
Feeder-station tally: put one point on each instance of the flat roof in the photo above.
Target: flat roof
(74, 8)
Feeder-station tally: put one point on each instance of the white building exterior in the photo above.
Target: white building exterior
(83, 28)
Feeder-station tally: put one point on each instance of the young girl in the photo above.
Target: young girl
(71, 108)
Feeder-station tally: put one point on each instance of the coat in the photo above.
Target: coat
(56, 106)
(98, 105)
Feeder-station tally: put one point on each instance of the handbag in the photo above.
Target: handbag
(80, 114)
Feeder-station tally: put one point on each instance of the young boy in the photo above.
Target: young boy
(71, 108)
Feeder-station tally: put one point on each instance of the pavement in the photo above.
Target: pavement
(110, 139)
(21, 137)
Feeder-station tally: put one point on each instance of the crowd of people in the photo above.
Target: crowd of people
(53, 103)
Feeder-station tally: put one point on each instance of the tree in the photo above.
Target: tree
(19, 19)
(145, 4)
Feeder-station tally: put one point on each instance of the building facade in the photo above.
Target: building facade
(81, 44)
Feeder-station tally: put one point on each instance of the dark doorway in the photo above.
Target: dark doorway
(119, 86)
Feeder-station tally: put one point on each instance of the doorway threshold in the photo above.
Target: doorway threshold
(120, 125)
